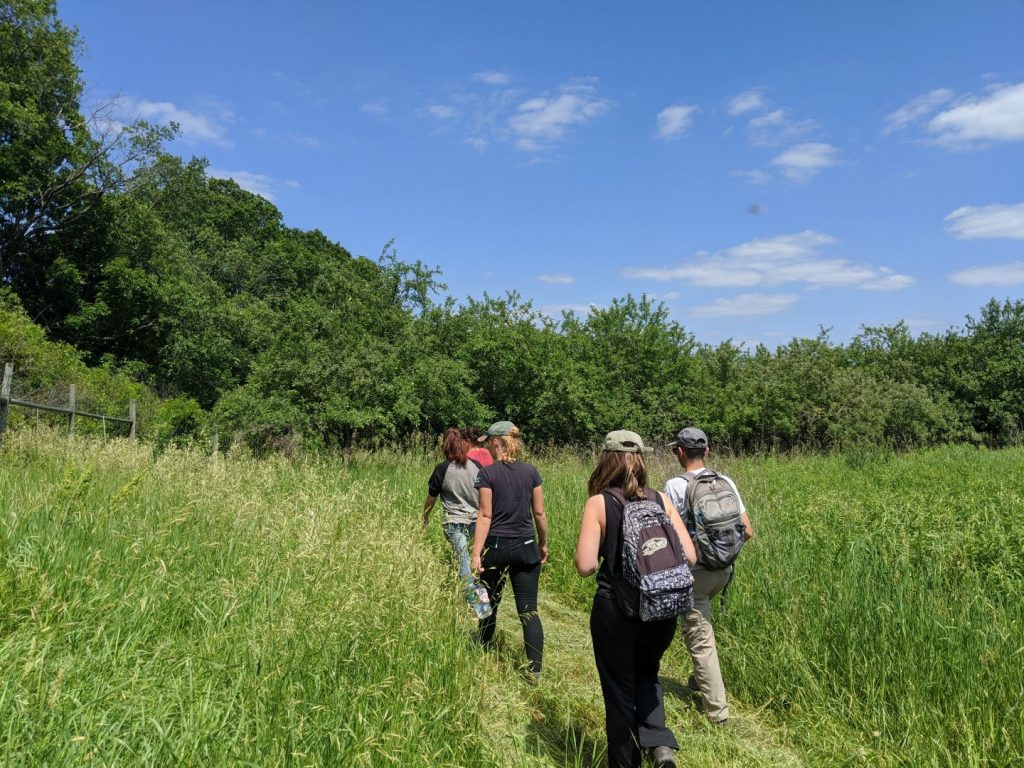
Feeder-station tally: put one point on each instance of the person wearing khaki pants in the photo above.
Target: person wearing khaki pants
(700, 642)
(691, 449)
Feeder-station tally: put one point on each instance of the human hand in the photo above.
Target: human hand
(475, 565)
(543, 553)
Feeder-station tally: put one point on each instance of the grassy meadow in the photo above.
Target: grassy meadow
(176, 609)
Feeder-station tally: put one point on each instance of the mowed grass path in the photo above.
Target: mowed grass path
(177, 610)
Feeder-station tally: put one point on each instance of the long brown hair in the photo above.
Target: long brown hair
(454, 446)
(617, 469)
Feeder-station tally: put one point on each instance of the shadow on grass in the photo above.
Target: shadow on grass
(564, 742)
(682, 691)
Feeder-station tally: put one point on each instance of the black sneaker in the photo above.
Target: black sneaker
(664, 757)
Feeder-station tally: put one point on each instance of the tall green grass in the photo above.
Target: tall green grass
(182, 610)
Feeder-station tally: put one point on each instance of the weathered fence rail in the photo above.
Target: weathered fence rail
(71, 411)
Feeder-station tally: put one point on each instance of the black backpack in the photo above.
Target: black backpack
(654, 582)
(714, 519)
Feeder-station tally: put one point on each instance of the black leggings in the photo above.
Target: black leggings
(519, 561)
(628, 655)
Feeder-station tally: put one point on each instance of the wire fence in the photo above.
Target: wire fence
(63, 402)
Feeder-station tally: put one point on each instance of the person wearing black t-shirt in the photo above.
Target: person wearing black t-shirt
(507, 546)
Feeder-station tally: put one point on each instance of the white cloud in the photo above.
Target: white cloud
(555, 279)
(970, 222)
(746, 305)
(674, 120)
(997, 116)
(492, 78)
(774, 261)
(915, 109)
(442, 111)
(544, 120)
(748, 101)
(777, 127)
(999, 275)
(194, 126)
(803, 161)
(291, 184)
(256, 183)
(378, 107)
(477, 143)
(754, 177)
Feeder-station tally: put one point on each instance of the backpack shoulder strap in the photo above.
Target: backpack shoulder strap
(618, 495)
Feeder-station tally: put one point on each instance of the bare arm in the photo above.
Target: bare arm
(748, 529)
(483, 526)
(684, 536)
(591, 533)
(428, 506)
(541, 519)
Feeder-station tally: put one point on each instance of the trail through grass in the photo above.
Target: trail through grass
(177, 610)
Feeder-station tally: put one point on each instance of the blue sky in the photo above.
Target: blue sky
(764, 168)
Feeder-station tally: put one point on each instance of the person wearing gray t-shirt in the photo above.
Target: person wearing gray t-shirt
(454, 482)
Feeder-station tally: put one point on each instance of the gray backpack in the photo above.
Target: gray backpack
(714, 519)
(654, 581)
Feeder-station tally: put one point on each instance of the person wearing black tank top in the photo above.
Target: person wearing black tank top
(627, 651)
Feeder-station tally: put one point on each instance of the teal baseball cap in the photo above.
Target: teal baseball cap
(498, 429)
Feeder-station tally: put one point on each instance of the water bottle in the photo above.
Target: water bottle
(482, 604)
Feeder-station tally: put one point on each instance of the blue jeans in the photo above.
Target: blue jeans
(460, 536)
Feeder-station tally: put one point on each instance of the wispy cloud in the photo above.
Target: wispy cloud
(674, 120)
(748, 101)
(754, 177)
(998, 275)
(804, 161)
(975, 120)
(533, 123)
(377, 107)
(916, 109)
(542, 121)
(491, 78)
(970, 222)
(292, 184)
(746, 305)
(777, 127)
(774, 261)
(256, 183)
(555, 279)
(195, 127)
(441, 111)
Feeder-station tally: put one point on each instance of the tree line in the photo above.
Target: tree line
(162, 275)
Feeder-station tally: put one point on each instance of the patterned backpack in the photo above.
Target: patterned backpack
(654, 582)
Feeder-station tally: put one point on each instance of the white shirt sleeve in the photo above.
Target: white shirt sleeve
(675, 489)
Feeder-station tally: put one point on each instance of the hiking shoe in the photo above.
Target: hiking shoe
(664, 757)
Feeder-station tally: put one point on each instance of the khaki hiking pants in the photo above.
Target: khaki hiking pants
(700, 641)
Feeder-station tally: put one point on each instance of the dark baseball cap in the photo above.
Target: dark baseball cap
(690, 437)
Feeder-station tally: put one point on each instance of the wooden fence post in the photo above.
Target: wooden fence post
(132, 418)
(5, 396)
(71, 406)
